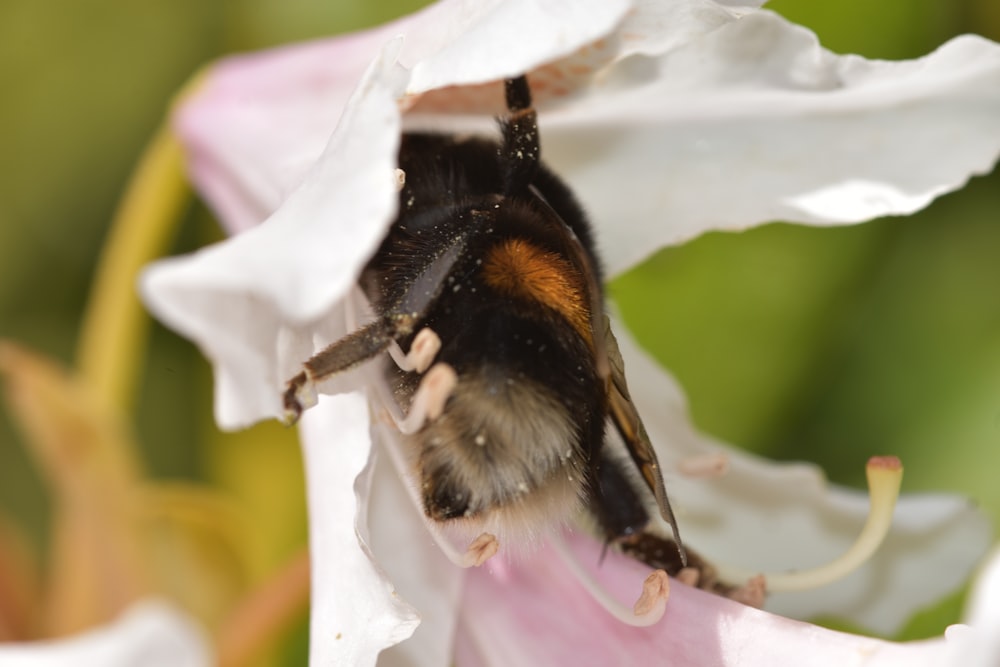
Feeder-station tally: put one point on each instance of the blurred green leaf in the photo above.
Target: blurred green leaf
(745, 320)
(888, 29)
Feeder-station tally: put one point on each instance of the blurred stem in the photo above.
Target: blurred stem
(112, 338)
(265, 614)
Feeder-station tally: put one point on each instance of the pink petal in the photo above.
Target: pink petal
(534, 613)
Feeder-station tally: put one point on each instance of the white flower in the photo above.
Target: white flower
(668, 119)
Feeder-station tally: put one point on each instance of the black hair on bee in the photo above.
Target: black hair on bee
(489, 284)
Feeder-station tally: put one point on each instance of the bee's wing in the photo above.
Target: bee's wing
(628, 423)
(611, 368)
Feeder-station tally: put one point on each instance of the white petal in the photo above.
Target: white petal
(234, 298)
(257, 122)
(978, 644)
(562, 71)
(786, 517)
(654, 28)
(422, 574)
(753, 122)
(150, 633)
(356, 612)
(509, 38)
(984, 603)
(721, 126)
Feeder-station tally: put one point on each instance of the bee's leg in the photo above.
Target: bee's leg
(376, 337)
(520, 152)
(344, 354)
(425, 346)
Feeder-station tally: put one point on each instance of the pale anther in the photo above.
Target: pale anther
(649, 606)
(655, 591)
(425, 347)
(481, 550)
(752, 593)
(429, 399)
(704, 466)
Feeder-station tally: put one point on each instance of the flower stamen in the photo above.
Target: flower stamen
(704, 466)
(478, 552)
(425, 347)
(481, 550)
(655, 591)
(649, 606)
(428, 401)
(752, 593)
(885, 474)
(689, 576)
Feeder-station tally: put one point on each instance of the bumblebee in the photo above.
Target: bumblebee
(488, 295)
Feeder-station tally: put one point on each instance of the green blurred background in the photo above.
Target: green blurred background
(826, 345)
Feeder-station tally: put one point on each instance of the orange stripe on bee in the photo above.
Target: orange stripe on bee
(518, 269)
